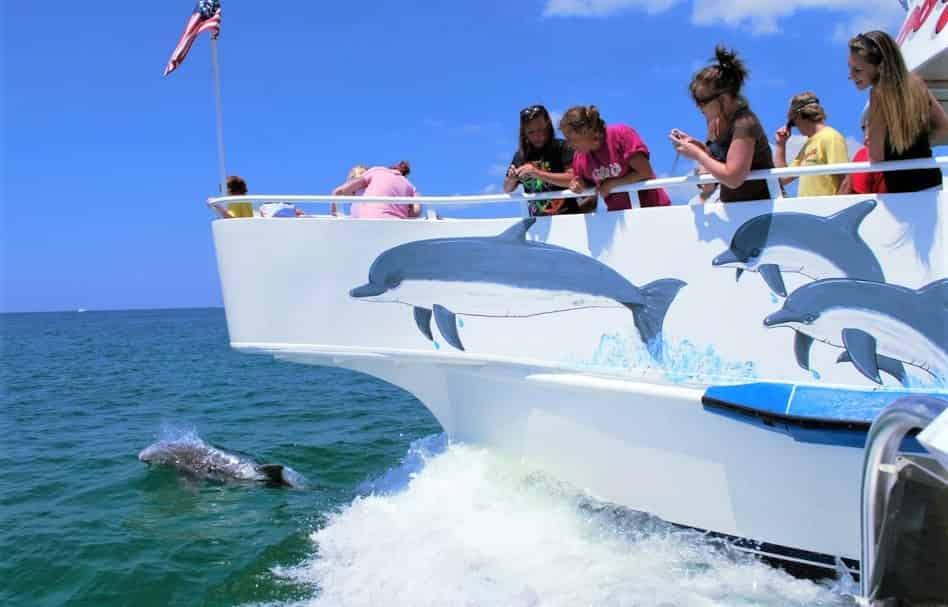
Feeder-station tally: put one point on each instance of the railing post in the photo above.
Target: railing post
(776, 191)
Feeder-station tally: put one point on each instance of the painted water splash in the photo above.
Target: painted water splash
(683, 360)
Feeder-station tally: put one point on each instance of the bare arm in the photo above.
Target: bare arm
(350, 188)
(780, 153)
(510, 179)
(733, 172)
(846, 186)
(560, 179)
(740, 156)
(939, 121)
(877, 134)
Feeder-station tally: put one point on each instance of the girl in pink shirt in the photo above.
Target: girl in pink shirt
(381, 181)
(608, 157)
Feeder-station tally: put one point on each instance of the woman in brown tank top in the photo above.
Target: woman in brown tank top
(737, 143)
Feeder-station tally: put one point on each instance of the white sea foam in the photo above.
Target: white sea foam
(458, 525)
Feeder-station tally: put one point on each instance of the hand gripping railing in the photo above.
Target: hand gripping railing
(882, 447)
(771, 176)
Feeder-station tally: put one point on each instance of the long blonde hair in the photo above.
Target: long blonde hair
(899, 101)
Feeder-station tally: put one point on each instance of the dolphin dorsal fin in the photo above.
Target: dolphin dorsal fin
(518, 231)
(849, 218)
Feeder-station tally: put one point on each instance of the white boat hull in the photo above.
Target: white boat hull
(573, 388)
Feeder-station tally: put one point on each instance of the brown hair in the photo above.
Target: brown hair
(899, 101)
(583, 119)
(402, 167)
(526, 115)
(725, 76)
(236, 186)
(805, 105)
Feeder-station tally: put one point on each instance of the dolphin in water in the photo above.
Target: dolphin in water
(507, 276)
(880, 327)
(193, 456)
(817, 247)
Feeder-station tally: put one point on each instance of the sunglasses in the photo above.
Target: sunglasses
(529, 113)
(702, 101)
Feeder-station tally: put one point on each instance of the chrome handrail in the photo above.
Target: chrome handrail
(770, 175)
(882, 447)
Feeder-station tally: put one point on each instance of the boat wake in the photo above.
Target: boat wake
(460, 525)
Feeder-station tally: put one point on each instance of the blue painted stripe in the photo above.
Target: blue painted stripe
(811, 414)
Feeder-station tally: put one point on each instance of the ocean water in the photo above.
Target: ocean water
(392, 513)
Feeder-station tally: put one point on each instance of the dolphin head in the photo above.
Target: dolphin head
(384, 275)
(800, 309)
(746, 246)
(160, 454)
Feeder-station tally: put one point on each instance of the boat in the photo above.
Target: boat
(718, 366)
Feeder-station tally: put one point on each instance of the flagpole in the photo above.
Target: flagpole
(221, 163)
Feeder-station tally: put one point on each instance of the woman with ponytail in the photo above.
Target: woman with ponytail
(737, 143)
(904, 117)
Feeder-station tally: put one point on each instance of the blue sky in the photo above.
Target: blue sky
(106, 165)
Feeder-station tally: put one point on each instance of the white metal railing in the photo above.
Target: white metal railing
(771, 176)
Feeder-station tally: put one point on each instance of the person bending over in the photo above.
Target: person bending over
(608, 157)
(380, 181)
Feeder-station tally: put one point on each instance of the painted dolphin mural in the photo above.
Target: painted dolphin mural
(507, 276)
(817, 247)
(196, 458)
(880, 327)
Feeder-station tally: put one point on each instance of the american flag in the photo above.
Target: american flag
(206, 18)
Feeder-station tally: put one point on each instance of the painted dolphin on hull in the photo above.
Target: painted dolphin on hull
(880, 327)
(507, 276)
(817, 247)
(196, 458)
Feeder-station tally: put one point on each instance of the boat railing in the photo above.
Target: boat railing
(880, 470)
(771, 176)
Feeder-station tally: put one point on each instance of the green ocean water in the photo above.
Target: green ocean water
(83, 522)
(392, 512)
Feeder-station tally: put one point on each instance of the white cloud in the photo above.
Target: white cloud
(602, 8)
(490, 188)
(762, 16)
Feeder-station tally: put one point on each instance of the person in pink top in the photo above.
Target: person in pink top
(381, 181)
(608, 157)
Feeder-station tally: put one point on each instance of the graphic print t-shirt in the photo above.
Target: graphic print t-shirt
(825, 147)
(612, 160)
(555, 157)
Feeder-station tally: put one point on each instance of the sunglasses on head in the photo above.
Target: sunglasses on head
(529, 113)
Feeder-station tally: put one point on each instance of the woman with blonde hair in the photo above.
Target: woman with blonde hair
(904, 116)
(737, 143)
